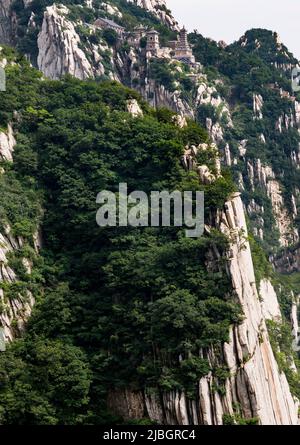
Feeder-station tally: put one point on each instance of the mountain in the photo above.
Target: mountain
(145, 325)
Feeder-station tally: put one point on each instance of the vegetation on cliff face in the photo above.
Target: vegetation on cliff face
(281, 341)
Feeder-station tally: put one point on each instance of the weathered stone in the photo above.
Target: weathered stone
(7, 144)
(58, 43)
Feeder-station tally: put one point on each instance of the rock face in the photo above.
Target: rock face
(7, 143)
(256, 388)
(288, 261)
(270, 304)
(158, 96)
(5, 21)
(58, 45)
(134, 108)
(14, 311)
(268, 395)
(256, 384)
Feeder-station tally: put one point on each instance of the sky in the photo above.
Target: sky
(229, 19)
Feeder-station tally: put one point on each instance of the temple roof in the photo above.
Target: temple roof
(110, 23)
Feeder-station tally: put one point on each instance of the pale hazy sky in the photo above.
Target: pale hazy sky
(229, 19)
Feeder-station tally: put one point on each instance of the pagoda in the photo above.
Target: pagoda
(183, 50)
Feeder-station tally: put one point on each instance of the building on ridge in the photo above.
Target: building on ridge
(183, 50)
(134, 37)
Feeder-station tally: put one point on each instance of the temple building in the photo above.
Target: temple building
(109, 24)
(134, 37)
(183, 50)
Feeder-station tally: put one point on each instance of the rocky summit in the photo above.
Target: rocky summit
(142, 325)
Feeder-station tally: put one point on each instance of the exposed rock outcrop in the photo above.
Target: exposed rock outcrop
(110, 9)
(258, 106)
(256, 385)
(158, 96)
(160, 9)
(295, 321)
(265, 387)
(288, 261)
